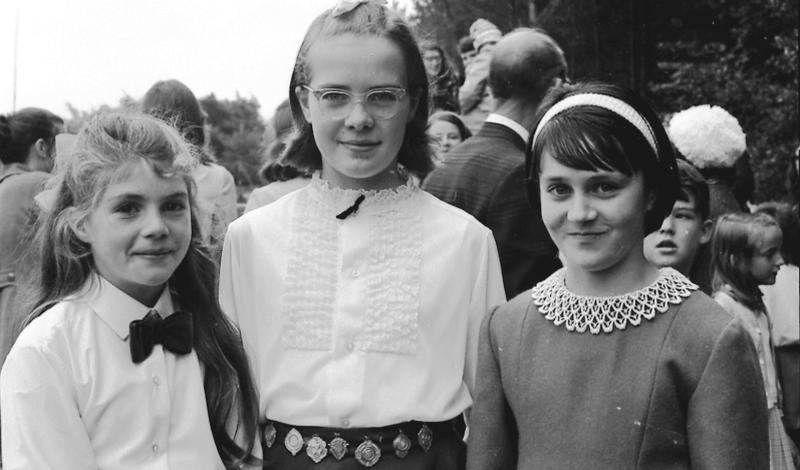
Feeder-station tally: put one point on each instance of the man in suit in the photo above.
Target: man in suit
(484, 175)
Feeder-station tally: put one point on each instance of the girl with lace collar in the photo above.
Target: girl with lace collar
(360, 296)
(611, 363)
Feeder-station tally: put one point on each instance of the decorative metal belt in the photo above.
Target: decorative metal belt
(367, 445)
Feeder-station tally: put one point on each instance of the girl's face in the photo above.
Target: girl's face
(433, 61)
(445, 133)
(767, 259)
(596, 218)
(140, 232)
(360, 149)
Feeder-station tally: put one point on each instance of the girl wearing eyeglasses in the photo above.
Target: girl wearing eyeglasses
(359, 297)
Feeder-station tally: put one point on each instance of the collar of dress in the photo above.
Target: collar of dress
(579, 313)
(336, 198)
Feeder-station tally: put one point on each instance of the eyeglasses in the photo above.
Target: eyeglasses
(381, 103)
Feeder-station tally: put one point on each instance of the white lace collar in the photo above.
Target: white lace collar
(337, 198)
(580, 312)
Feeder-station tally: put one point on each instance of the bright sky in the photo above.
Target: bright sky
(92, 52)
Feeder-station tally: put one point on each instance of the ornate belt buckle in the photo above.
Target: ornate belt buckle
(402, 444)
(338, 447)
(316, 449)
(270, 434)
(425, 437)
(293, 441)
(367, 453)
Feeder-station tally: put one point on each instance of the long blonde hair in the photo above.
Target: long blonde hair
(105, 151)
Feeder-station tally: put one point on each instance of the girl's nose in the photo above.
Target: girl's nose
(154, 225)
(359, 118)
(581, 209)
(666, 225)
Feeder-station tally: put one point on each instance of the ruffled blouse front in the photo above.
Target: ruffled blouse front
(366, 320)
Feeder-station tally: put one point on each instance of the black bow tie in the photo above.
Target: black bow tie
(175, 333)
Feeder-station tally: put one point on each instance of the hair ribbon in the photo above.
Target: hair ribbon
(345, 6)
(615, 105)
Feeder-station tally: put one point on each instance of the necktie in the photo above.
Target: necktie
(175, 333)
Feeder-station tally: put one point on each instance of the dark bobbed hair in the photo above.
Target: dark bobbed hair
(530, 73)
(693, 185)
(452, 118)
(593, 139)
(789, 221)
(20, 130)
(172, 101)
(733, 244)
(105, 151)
(366, 19)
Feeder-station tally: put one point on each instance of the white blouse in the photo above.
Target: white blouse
(366, 321)
(73, 399)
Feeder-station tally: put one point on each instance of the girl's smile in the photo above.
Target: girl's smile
(360, 149)
(595, 218)
(140, 232)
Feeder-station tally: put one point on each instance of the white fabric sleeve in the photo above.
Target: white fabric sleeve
(41, 423)
(487, 292)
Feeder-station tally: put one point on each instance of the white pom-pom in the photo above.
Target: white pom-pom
(708, 136)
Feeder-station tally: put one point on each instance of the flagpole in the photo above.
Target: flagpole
(16, 40)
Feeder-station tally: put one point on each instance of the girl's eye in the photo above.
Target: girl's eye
(606, 188)
(127, 208)
(335, 98)
(558, 190)
(382, 97)
(175, 206)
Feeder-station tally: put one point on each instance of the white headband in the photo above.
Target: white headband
(616, 106)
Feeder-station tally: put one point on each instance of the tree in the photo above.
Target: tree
(236, 136)
(738, 54)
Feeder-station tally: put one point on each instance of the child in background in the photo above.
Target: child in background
(746, 254)
(782, 301)
(685, 228)
(126, 361)
(359, 296)
(174, 102)
(448, 130)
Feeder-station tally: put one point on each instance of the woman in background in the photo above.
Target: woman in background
(27, 148)
(447, 130)
(174, 102)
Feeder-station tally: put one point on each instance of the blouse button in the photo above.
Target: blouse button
(350, 347)
(345, 423)
(155, 448)
(355, 273)
(156, 381)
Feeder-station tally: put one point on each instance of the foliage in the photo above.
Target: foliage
(237, 136)
(78, 118)
(236, 132)
(738, 54)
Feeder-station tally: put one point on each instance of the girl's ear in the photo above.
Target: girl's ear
(651, 201)
(302, 97)
(78, 225)
(42, 149)
(706, 231)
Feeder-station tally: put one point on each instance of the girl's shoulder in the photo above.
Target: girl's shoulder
(49, 330)
(446, 214)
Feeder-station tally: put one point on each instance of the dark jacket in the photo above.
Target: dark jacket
(484, 176)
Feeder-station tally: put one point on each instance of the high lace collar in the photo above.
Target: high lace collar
(580, 312)
(335, 197)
